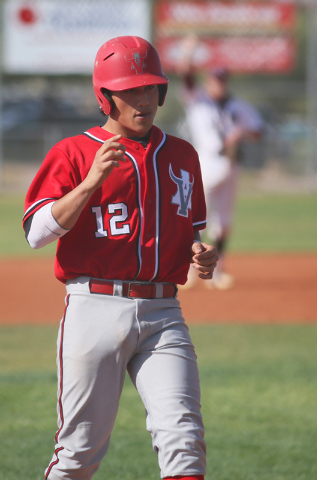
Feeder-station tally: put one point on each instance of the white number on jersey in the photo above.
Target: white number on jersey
(120, 217)
(125, 229)
(101, 232)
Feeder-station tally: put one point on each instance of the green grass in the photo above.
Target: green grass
(263, 223)
(12, 239)
(259, 387)
(275, 223)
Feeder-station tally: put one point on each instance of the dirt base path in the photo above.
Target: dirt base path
(269, 289)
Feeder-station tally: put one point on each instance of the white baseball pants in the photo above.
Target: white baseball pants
(220, 200)
(100, 338)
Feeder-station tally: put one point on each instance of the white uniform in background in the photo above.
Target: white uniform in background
(208, 123)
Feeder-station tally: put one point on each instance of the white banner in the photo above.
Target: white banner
(63, 36)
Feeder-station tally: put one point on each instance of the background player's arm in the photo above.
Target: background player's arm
(238, 135)
(67, 209)
(185, 67)
(249, 125)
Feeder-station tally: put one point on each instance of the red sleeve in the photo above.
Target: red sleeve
(55, 178)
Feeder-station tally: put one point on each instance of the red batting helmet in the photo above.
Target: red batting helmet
(127, 62)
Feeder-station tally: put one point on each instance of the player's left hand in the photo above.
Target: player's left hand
(204, 259)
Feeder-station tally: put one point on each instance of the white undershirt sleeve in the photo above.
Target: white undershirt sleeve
(44, 229)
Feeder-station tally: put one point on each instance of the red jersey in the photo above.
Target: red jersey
(139, 224)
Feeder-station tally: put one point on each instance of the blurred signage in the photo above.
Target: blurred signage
(223, 17)
(63, 36)
(246, 36)
(238, 54)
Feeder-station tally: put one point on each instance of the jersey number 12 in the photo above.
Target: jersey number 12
(101, 232)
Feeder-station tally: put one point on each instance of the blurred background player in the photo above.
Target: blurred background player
(218, 123)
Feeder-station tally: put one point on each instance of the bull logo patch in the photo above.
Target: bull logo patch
(183, 196)
(137, 62)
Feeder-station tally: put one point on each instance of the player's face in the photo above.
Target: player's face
(216, 88)
(134, 111)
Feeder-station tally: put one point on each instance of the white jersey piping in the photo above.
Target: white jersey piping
(157, 206)
(140, 207)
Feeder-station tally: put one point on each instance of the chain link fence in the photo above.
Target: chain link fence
(46, 89)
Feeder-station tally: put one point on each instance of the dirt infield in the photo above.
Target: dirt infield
(269, 289)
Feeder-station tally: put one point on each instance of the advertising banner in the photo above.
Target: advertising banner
(224, 17)
(63, 36)
(238, 54)
(246, 36)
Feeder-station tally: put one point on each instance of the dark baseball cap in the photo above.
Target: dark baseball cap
(221, 73)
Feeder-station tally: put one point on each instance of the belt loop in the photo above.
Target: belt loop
(117, 288)
(159, 290)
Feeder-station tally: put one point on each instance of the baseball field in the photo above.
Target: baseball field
(256, 348)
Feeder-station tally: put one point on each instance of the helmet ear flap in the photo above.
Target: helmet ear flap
(107, 102)
(162, 93)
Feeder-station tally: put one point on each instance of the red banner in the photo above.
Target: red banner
(238, 54)
(223, 17)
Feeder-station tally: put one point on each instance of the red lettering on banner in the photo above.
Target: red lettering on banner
(174, 17)
(238, 54)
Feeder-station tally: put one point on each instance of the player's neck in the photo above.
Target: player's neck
(141, 138)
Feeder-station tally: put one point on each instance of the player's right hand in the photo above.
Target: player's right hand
(108, 157)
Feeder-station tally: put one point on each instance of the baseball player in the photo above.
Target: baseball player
(218, 123)
(126, 203)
